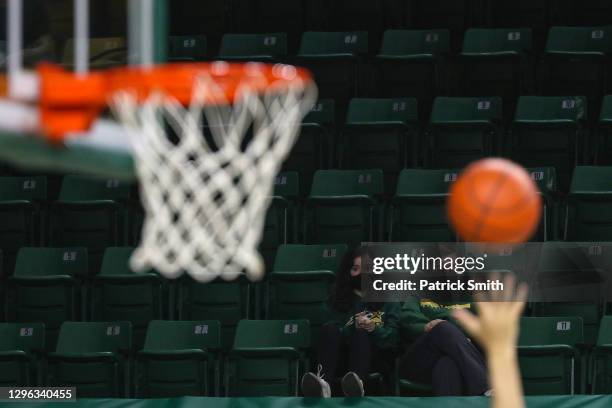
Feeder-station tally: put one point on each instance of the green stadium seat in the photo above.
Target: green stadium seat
(46, 287)
(589, 205)
(299, 285)
(344, 207)
(227, 302)
(590, 312)
(103, 52)
(93, 357)
(591, 12)
(179, 359)
(601, 359)
(574, 62)
(535, 14)
(546, 180)
(380, 134)
(90, 212)
(548, 131)
(418, 210)
(21, 349)
(312, 150)
(548, 355)
(118, 293)
(187, 48)
(253, 47)
(267, 358)
(455, 15)
(281, 16)
(210, 18)
(281, 219)
(334, 60)
(496, 62)
(411, 63)
(22, 212)
(602, 149)
(571, 276)
(463, 129)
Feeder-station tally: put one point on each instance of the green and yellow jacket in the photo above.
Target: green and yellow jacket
(385, 316)
(416, 313)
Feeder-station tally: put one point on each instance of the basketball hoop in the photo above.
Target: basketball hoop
(205, 195)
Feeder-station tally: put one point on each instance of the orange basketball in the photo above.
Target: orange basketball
(494, 200)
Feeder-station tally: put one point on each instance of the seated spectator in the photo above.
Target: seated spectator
(360, 339)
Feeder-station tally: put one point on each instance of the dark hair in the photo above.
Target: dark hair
(342, 297)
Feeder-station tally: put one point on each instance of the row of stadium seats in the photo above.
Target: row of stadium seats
(216, 17)
(53, 285)
(493, 62)
(341, 206)
(267, 358)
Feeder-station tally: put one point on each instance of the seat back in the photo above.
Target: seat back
(495, 62)
(603, 142)
(21, 215)
(579, 39)
(119, 293)
(483, 41)
(91, 212)
(574, 62)
(303, 258)
(281, 219)
(313, 148)
(178, 359)
(187, 47)
(260, 47)
(300, 282)
(546, 132)
(463, 129)
(419, 209)
(228, 302)
(333, 59)
(402, 43)
(546, 180)
(45, 287)
(266, 357)
(19, 345)
(553, 369)
(602, 359)
(343, 206)
(380, 134)
(165, 335)
(90, 357)
(104, 52)
(412, 63)
(589, 216)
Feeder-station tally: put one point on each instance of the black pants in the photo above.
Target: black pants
(339, 354)
(446, 359)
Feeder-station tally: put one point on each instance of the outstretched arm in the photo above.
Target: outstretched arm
(496, 328)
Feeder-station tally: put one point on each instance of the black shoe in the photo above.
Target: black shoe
(352, 385)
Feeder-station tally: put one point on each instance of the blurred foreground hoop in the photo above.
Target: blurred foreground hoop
(208, 141)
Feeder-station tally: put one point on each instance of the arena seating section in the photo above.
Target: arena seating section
(410, 92)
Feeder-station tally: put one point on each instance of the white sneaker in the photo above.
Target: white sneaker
(313, 385)
(352, 386)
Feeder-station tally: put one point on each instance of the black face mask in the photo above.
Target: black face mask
(356, 282)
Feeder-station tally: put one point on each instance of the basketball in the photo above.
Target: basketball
(494, 200)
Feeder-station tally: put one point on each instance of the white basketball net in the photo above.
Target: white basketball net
(205, 203)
